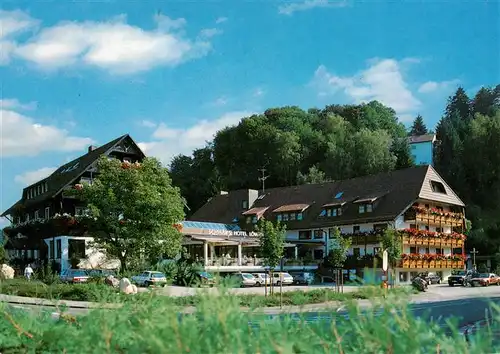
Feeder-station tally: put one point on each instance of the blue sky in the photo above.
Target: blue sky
(172, 73)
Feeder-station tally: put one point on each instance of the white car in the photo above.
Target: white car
(282, 278)
(261, 279)
(246, 279)
(150, 278)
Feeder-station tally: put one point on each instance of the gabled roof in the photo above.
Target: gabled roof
(393, 191)
(60, 179)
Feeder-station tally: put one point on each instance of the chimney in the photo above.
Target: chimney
(92, 148)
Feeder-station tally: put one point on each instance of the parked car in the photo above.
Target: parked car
(74, 276)
(149, 278)
(485, 279)
(100, 272)
(282, 278)
(430, 277)
(457, 278)
(206, 278)
(261, 279)
(304, 278)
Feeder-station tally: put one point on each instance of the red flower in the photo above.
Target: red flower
(78, 186)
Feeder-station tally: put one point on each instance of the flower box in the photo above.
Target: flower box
(432, 241)
(454, 264)
(420, 241)
(438, 263)
(413, 264)
(420, 264)
(406, 263)
(406, 240)
(447, 264)
(431, 264)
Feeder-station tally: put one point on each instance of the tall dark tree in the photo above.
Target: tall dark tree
(418, 127)
(486, 101)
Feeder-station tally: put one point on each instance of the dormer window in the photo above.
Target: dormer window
(253, 215)
(365, 208)
(244, 204)
(438, 187)
(332, 210)
(290, 212)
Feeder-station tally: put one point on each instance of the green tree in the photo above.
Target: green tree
(391, 241)
(133, 209)
(271, 242)
(3, 252)
(418, 127)
(337, 249)
(313, 176)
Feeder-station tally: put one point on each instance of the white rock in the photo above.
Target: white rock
(124, 283)
(6, 272)
(112, 281)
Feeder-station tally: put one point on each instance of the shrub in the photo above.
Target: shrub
(150, 325)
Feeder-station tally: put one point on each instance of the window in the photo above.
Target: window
(328, 212)
(81, 211)
(254, 219)
(46, 185)
(413, 250)
(369, 208)
(278, 217)
(27, 217)
(51, 249)
(39, 188)
(355, 229)
(318, 234)
(244, 204)
(339, 195)
(413, 226)
(361, 209)
(248, 219)
(318, 254)
(285, 217)
(47, 213)
(58, 248)
(299, 216)
(440, 208)
(438, 187)
(379, 227)
(427, 251)
(376, 250)
(305, 235)
(292, 216)
(439, 229)
(427, 206)
(426, 227)
(36, 215)
(356, 252)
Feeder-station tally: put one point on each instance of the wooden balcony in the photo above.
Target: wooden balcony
(432, 264)
(434, 217)
(433, 241)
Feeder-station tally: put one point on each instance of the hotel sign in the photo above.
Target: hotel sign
(231, 233)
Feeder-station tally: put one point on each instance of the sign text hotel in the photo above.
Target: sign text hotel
(230, 233)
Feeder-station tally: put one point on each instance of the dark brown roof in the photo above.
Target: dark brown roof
(225, 208)
(397, 191)
(59, 179)
(421, 138)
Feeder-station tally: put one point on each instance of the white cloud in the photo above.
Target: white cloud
(12, 23)
(148, 124)
(432, 86)
(22, 136)
(382, 81)
(14, 104)
(112, 45)
(31, 177)
(169, 142)
(289, 9)
(221, 20)
(210, 32)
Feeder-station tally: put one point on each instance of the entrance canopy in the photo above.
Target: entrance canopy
(217, 232)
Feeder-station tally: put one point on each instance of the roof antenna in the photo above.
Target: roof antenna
(263, 178)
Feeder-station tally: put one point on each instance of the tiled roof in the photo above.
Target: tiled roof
(396, 191)
(256, 211)
(421, 138)
(291, 207)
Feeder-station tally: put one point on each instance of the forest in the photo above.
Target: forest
(296, 146)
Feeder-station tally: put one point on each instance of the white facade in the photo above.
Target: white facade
(94, 258)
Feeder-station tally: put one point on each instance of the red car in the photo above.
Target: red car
(485, 279)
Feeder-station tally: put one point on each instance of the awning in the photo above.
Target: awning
(333, 204)
(291, 207)
(256, 211)
(365, 200)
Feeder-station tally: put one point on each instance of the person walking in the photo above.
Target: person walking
(28, 272)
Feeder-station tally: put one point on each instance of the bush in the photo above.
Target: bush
(151, 325)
